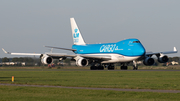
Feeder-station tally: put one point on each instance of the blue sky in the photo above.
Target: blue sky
(26, 26)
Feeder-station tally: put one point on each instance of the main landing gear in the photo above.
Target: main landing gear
(97, 66)
(125, 67)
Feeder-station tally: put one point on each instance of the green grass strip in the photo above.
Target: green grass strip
(165, 80)
(15, 93)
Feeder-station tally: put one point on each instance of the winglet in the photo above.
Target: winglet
(6, 51)
(175, 49)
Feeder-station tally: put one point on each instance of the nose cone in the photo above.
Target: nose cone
(139, 50)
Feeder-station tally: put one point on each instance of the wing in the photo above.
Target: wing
(60, 55)
(21, 53)
(98, 57)
(158, 53)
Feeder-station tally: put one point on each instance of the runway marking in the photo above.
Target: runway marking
(114, 89)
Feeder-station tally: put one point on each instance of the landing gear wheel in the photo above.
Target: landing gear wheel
(97, 67)
(92, 67)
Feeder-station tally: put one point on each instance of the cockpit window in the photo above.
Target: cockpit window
(136, 41)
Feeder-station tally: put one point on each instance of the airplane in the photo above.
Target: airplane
(103, 55)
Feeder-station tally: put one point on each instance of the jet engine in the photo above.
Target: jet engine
(148, 61)
(81, 62)
(163, 59)
(45, 59)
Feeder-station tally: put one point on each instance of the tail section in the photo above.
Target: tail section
(77, 37)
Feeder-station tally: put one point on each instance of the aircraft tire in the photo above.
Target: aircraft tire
(96, 68)
(92, 68)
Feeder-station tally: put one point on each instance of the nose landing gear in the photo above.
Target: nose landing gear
(135, 66)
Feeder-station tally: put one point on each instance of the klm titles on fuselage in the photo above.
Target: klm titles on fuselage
(109, 48)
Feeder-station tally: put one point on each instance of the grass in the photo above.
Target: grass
(9, 93)
(168, 80)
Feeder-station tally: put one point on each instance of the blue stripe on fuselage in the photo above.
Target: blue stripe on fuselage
(128, 47)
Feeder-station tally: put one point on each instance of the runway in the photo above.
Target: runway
(89, 88)
(87, 70)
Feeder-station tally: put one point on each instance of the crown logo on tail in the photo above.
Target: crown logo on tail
(76, 35)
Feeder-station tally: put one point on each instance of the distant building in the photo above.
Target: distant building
(174, 63)
(13, 63)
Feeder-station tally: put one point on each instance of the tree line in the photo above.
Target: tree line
(31, 61)
(28, 60)
(19, 59)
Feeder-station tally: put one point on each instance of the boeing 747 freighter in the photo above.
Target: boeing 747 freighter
(103, 55)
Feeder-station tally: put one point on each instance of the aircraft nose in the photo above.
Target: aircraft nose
(139, 51)
(142, 51)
